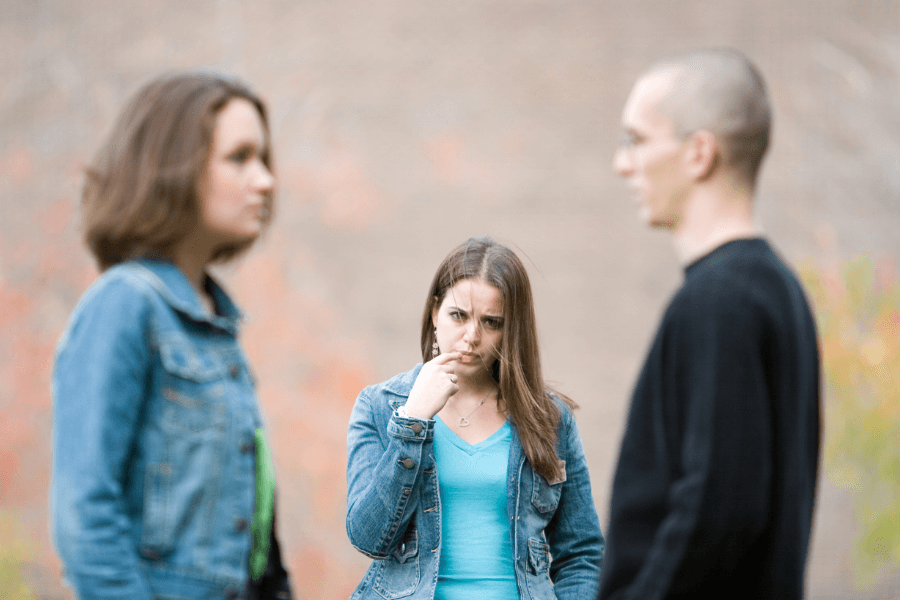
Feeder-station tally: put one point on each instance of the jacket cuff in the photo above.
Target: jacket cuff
(411, 428)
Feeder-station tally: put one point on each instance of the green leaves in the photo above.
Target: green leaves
(15, 552)
(858, 313)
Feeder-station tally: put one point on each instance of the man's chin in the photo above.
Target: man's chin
(645, 216)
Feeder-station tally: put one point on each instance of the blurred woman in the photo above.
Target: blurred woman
(466, 475)
(162, 482)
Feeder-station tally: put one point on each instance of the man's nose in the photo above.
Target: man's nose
(623, 164)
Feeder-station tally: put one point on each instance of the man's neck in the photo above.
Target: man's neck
(713, 218)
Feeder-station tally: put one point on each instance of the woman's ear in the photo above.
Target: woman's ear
(702, 154)
(436, 307)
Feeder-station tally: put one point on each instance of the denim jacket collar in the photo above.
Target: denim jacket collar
(171, 283)
(401, 385)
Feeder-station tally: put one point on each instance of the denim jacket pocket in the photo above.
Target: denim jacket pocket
(158, 535)
(183, 473)
(545, 497)
(181, 357)
(538, 556)
(398, 575)
(409, 547)
(537, 578)
(192, 386)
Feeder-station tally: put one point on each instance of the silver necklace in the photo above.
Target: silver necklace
(464, 421)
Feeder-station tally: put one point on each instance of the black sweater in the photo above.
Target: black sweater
(714, 488)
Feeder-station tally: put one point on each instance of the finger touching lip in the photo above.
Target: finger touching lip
(449, 357)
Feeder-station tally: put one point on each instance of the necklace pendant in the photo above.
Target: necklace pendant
(463, 422)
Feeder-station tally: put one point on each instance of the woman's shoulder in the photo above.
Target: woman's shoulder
(119, 287)
(564, 404)
(399, 385)
(158, 285)
(116, 304)
(382, 398)
(130, 279)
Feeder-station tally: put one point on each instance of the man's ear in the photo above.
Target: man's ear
(703, 154)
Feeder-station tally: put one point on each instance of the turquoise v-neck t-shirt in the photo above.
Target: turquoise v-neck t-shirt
(476, 550)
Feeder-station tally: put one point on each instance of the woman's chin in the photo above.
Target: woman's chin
(473, 369)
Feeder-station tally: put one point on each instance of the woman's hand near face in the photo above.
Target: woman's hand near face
(434, 385)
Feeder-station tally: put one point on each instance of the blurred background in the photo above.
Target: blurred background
(400, 129)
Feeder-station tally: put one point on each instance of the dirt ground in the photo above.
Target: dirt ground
(401, 129)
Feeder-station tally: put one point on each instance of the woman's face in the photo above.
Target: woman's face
(235, 183)
(469, 320)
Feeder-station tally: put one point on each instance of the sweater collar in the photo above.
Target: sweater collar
(719, 253)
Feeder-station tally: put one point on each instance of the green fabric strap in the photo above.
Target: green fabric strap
(261, 526)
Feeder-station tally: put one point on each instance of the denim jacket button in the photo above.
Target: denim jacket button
(234, 371)
(247, 448)
(416, 427)
(406, 491)
(240, 524)
(408, 463)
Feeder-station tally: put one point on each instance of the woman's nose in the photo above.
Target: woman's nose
(263, 180)
(473, 332)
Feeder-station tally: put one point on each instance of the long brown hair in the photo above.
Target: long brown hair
(523, 392)
(141, 197)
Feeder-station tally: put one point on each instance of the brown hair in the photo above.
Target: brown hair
(523, 392)
(141, 196)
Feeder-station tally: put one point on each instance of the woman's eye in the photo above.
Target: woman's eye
(493, 323)
(456, 314)
(240, 156)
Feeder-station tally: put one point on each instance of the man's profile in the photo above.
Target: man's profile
(715, 483)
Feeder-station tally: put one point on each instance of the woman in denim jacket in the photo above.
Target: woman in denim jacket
(466, 476)
(162, 481)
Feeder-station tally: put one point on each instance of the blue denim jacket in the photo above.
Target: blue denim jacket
(394, 506)
(153, 478)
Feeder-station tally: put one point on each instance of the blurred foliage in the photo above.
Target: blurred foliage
(857, 309)
(15, 552)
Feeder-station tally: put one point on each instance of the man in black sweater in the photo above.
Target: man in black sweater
(714, 489)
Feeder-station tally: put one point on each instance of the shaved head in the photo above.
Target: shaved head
(720, 91)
